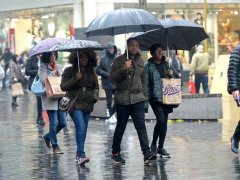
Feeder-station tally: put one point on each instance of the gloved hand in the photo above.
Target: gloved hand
(146, 104)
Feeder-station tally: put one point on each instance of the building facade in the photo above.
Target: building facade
(24, 24)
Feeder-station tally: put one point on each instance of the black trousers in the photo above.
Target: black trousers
(136, 111)
(160, 129)
(39, 107)
(236, 134)
(109, 96)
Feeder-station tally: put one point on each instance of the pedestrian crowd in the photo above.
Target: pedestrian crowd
(133, 83)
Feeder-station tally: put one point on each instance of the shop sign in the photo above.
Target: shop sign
(11, 39)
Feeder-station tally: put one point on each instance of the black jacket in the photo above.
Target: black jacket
(31, 70)
(234, 70)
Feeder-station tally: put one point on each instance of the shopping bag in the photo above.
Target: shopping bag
(172, 94)
(191, 87)
(37, 87)
(52, 85)
(17, 89)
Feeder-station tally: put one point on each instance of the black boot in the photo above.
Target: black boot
(40, 121)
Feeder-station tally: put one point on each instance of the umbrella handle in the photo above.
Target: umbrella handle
(78, 62)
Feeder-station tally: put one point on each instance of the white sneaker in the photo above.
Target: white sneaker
(107, 113)
(113, 119)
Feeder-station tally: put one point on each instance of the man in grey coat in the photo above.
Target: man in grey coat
(104, 70)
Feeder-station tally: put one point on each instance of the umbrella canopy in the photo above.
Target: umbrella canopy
(122, 21)
(77, 45)
(45, 46)
(176, 35)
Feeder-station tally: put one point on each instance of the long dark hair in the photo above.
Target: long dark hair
(92, 61)
(91, 55)
(45, 58)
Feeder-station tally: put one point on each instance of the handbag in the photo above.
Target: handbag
(17, 89)
(66, 104)
(37, 87)
(172, 94)
(53, 89)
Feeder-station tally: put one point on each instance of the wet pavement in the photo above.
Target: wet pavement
(200, 150)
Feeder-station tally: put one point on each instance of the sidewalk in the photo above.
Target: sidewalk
(200, 150)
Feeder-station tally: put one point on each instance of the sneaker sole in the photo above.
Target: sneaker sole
(82, 163)
(164, 156)
(152, 158)
(115, 162)
(58, 152)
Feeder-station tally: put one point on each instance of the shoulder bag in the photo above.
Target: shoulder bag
(37, 87)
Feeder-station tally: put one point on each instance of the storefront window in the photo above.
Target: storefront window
(228, 32)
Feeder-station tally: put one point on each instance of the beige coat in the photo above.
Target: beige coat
(44, 71)
(200, 63)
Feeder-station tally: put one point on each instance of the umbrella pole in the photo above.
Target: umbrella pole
(78, 62)
(126, 45)
(167, 47)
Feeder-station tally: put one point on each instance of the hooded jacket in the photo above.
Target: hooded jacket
(105, 65)
(85, 98)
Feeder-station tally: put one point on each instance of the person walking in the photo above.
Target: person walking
(176, 65)
(31, 70)
(2, 75)
(80, 82)
(7, 56)
(15, 75)
(128, 76)
(104, 70)
(199, 67)
(57, 117)
(155, 69)
(233, 88)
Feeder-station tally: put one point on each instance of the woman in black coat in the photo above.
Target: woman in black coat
(31, 70)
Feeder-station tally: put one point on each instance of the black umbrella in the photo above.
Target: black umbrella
(176, 35)
(122, 21)
(77, 45)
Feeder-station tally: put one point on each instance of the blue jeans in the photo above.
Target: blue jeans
(57, 121)
(80, 120)
(201, 78)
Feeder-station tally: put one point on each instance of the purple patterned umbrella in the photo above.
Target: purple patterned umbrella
(71, 45)
(45, 46)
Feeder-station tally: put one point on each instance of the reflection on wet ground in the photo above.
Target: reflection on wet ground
(200, 150)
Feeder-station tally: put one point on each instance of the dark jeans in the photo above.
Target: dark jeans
(39, 107)
(160, 129)
(14, 100)
(236, 134)
(5, 71)
(136, 111)
(201, 78)
(109, 94)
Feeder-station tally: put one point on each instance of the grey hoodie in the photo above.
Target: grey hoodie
(105, 65)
